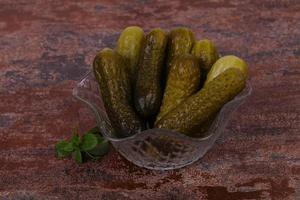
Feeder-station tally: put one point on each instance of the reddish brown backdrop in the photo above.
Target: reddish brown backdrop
(46, 46)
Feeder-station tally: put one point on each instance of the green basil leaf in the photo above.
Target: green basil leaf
(61, 144)
(68, 147)
(77, 156)
(76, 140)
(101, 149)
(62, 154)
(62, 149)
(89, 141)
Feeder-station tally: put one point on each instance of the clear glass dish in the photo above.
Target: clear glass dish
(158, 149)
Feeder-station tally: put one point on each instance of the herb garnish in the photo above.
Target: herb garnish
(91, 145)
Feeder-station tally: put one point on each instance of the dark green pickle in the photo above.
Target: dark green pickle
(148, 90)
(224, 63)
(112, 76)
(183, 81)
(199, 108)
(206, 51)
(129, 46)
(180, 42)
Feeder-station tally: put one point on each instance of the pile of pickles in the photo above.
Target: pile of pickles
(166, 80)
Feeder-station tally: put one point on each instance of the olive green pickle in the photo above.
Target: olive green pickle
(201, 106)
(166, 80)
(112, 76)
(206, 52)
(225, 63)
(129, 46)
(180, 42)
(148, 90)
(183, 81)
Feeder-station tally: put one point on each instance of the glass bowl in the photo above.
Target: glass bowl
(158, 149)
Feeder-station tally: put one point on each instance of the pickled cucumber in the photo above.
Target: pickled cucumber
(206, 52)
(183, 81)
(200, 107)
(180, 42)
(129, 47)
(116, 93)
(225, 63)
(148, 91)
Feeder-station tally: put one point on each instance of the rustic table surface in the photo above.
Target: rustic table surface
(46, 47)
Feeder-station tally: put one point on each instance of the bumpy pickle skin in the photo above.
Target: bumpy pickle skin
(183, 81)
(221, 65)
(148, 90)
(115, 90)
(129, 46)
(225, 63)
(207, 53)
(203, 105)
(180, 42)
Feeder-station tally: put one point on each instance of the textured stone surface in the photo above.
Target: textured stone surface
(46, 46)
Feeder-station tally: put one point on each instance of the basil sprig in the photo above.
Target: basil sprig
(91, 145)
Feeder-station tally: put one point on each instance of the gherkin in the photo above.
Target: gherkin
(129, 46)
(183, 80)
(180, 42)
(203, 105)
(148, 89)
(112, 76)
(225, 63)
(206, 52)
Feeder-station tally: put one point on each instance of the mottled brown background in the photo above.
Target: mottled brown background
(46, 46)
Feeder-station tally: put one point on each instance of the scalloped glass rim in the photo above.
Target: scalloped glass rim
(85, 94)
